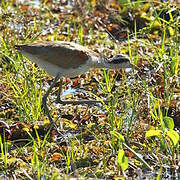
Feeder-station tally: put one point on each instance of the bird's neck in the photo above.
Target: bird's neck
(112, 63)
(100, 62)
(104, 63)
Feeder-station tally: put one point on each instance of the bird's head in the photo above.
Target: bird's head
(119, 61)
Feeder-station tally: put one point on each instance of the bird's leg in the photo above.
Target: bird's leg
(58, 100)
(44, 99)
(74, 102)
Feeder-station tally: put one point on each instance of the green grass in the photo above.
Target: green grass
(133, 131)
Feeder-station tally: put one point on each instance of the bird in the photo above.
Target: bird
(62, 58)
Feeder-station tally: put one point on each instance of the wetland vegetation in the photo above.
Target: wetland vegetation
(135, 135)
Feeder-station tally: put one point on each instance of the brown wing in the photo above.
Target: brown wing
(61, 54)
